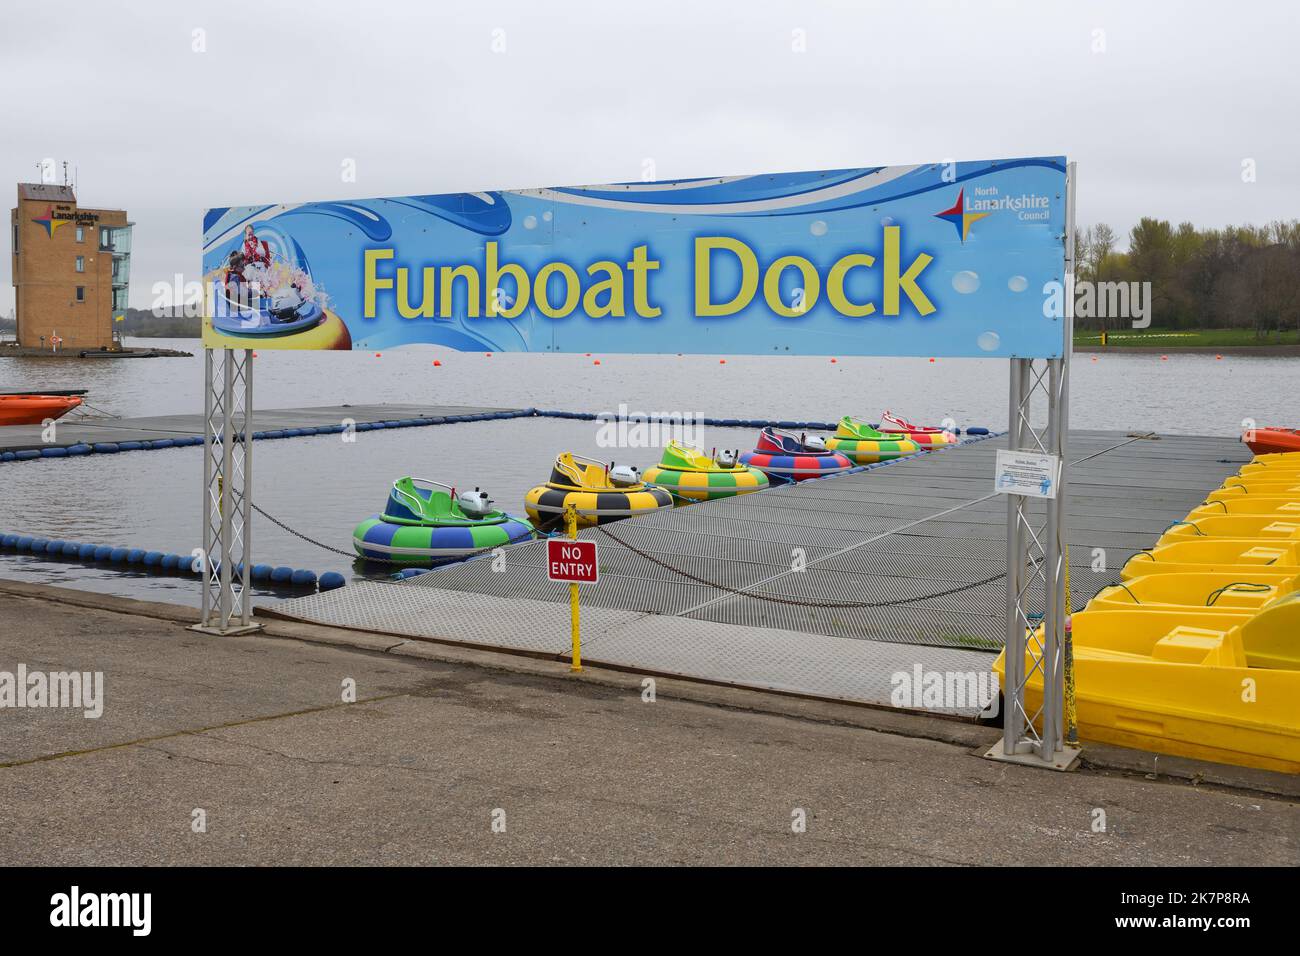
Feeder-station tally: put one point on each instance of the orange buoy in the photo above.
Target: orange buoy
(1164, 358)
(596, 362)
(1217, 357)
(487, 354)
(377, 354)
(436, 362)
(833, 361)
(931, 361)
(722, 361)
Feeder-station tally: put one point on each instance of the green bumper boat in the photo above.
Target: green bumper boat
(426, 522)
(863, 445)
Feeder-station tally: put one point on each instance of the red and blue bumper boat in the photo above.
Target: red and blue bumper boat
(785, 456)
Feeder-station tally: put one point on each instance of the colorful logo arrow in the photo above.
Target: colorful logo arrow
(957, 215)
(50, 222)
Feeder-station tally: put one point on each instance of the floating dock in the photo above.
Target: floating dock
(921, 539)
(91, 431)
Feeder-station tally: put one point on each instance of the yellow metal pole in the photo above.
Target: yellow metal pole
(571, 519)
(1071, 702)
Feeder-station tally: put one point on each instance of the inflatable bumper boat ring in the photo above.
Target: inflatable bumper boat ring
(423, 523)
(590, 487)
(786, 457)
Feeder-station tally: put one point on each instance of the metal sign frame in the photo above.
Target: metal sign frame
(1036, 554)
(227, 491)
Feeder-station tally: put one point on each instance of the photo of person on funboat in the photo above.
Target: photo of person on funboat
(258, 294)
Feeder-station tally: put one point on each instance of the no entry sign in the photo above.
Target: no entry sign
(573, 561)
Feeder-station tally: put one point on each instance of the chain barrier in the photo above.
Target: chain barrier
(796, 602)
(543, 528)
(539, 529)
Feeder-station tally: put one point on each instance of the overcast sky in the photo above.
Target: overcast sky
(1159, 102)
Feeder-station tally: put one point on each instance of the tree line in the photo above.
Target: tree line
(1235, 277)
(160, 323)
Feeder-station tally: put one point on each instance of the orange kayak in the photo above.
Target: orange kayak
(1265, 441)
(34, 409)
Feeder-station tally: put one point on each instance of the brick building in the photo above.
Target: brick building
(71, 268)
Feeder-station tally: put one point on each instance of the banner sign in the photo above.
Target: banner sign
(953, 259)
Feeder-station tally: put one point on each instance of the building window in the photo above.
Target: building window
(15, 238)
(81, 293)
(105, 238)
(81, 263)
(81, 234)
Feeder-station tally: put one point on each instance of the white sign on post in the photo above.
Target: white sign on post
(1027, 473)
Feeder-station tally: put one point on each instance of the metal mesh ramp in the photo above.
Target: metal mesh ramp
(916, 537)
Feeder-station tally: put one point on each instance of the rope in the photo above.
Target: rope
(539, 529)
(796, 602)
(1120, 585)
(1248, 586)
(103, 412)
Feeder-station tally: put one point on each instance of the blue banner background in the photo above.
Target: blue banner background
(992, 256)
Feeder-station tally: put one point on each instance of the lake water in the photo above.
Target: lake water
(324, 486)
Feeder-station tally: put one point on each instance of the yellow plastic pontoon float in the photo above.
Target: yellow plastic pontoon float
(1265, 527)
(1282, 467)
(1285, 487)
(1222, 688)
(1216, 555)
(1196, 592)
(1248, 505)
(1277, 458)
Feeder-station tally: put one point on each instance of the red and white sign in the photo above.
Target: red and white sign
(573, 561)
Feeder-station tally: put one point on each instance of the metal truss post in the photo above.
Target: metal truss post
(1037, 603)
(227, 491)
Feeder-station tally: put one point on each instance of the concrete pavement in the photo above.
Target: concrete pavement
(452, 756)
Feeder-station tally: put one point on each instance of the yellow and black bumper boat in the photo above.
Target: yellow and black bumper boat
(601, 492)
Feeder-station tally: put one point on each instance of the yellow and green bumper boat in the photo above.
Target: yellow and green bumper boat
(863, 445)
(691, 475)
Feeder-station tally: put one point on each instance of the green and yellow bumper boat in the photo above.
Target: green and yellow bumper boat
(426, 522)
(691, 475)
(863, 445)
